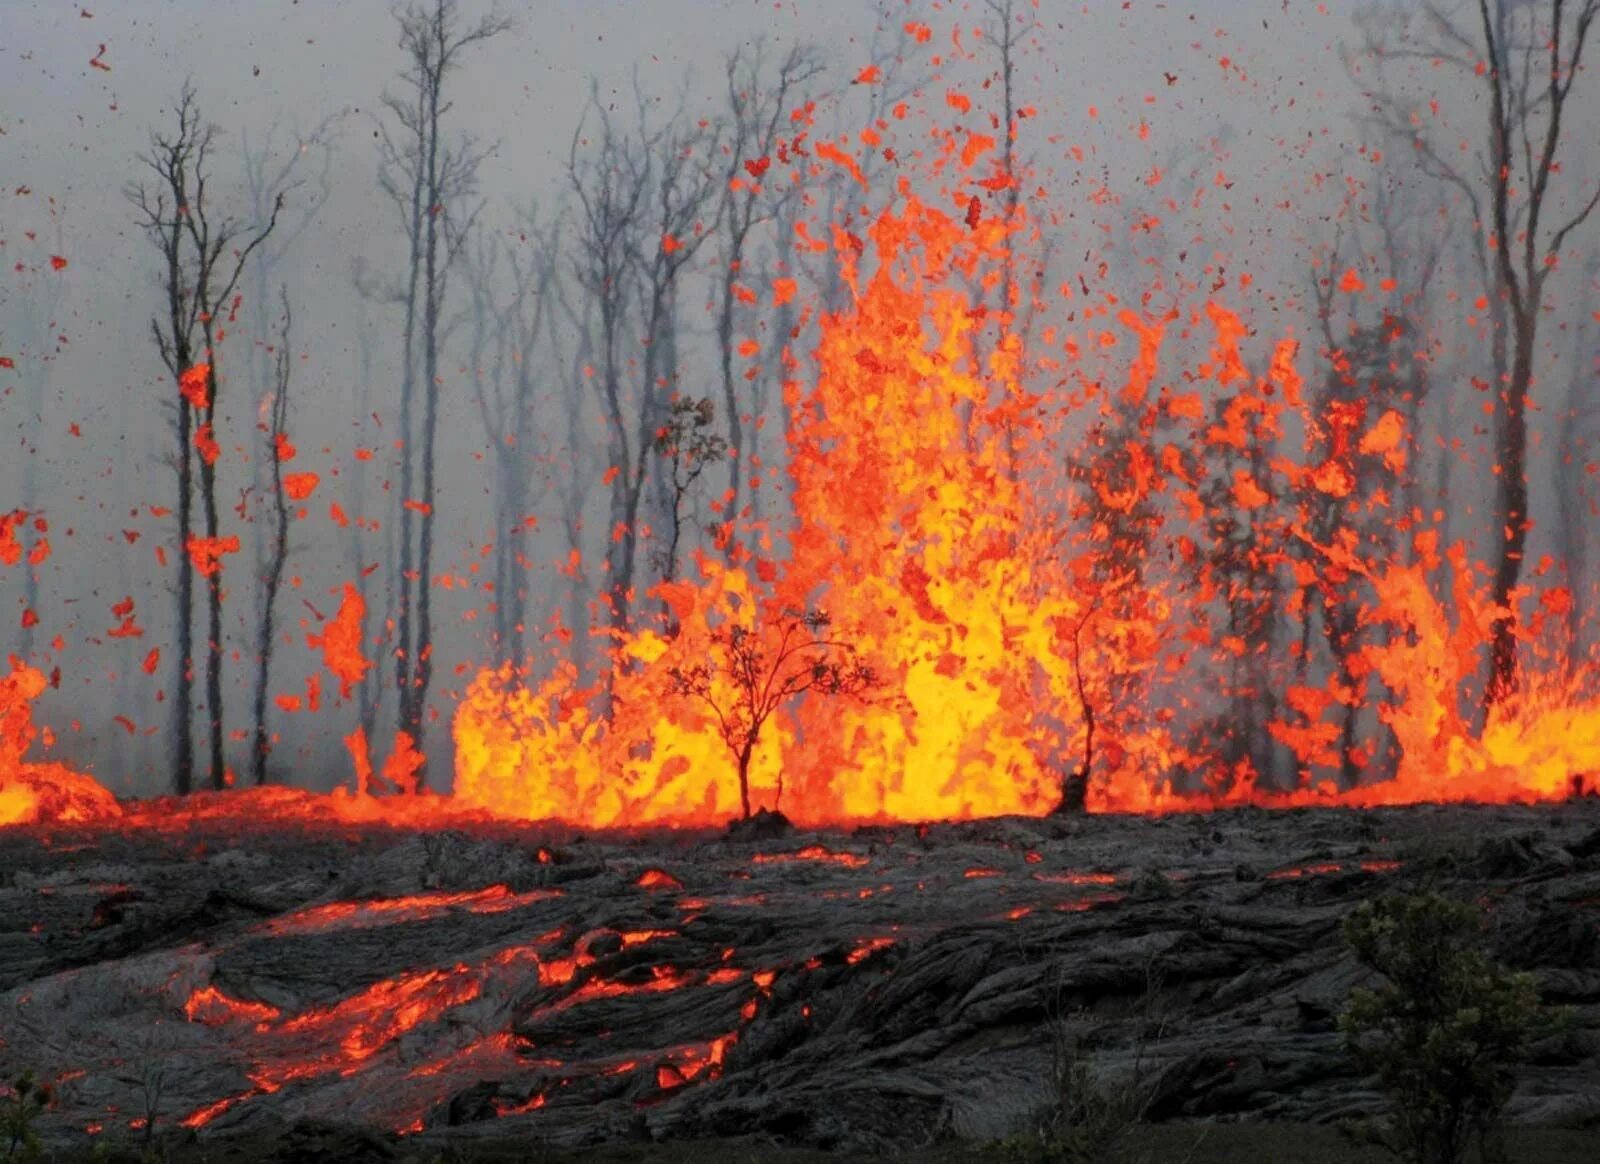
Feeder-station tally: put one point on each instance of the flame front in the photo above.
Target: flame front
(935, 519)
(1019, 577)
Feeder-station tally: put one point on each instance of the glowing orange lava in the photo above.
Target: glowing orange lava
(32, 792)
(1052, 576)
(935, 543)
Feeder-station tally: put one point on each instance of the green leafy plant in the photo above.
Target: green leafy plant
(27, 1099)
(1443, 1032)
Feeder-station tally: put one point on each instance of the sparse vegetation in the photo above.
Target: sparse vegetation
(751, 673)
(1444, 1030)
(26, 1100)
(689, 443)
(1088, 1118)
(1089, 1115)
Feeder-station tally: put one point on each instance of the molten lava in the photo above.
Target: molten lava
(31, 792)
(1012, 654)
(1056, 586)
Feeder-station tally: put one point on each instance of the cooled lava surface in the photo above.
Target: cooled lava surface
(871, 989)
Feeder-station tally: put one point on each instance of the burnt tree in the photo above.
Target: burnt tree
(35, 343)
(509, 333)
(758, 112)
(430, 182)
(276, 434)
(646, 202)
(752, 672)
(202, 258)
(1525, 58)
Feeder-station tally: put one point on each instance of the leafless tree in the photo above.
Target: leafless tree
(278, 160)
(646, 202)
(1007, 30)
(751, 673)
(1009, 27)
(1577, 502)
(1526, 55)
(758, 109)
(572, 354)
(276, 434)
(34, 344)
(202, 258)
(509, 336)
(357, 528)
(431, 182)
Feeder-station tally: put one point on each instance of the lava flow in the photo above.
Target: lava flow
(32, 792)
(934, 544)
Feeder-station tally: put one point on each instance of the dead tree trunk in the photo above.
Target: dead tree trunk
(430, 183)
(202, 259)
(646, 203)
(757, 109)
(278, 555)
(508, 340)
(1527, 56)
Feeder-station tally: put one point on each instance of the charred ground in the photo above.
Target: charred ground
(322, 988)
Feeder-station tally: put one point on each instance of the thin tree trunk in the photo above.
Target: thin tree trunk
(183, 695)
(1512, 489)
(280, 554)
(208, 505)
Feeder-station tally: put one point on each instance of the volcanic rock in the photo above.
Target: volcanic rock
(331, 985)
(762, 825)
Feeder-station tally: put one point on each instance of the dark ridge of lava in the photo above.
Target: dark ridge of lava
(868, 990)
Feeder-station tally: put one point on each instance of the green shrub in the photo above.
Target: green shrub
(1444, 1031)
(20, 1108)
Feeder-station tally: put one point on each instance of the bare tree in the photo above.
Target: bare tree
(1005, 33)
(1577, 503)
(753, 672)
(689, 445)
(1526, 55)
(202, 259)
(276, 435)
(37, 342)
(508, 338)
(647, 201)
(369, 694)
(758, 108)
(279, 160)
(574, 471)
(430, 182)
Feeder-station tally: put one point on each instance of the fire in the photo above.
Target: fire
(415, 907)
(214, 1008)
(31, 792)
(343, 1037)
(818, 853)
(340, 641)
(1008, 649)
(1050, 577)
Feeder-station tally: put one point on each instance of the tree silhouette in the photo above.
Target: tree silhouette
(202, 258)
(689, 444)
(1524, 56)
(751, 673)
(431, 182)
